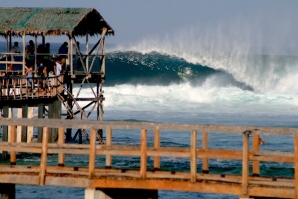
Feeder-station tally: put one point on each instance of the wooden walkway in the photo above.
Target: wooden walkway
(248, 183)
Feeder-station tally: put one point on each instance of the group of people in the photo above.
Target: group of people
(47, 66)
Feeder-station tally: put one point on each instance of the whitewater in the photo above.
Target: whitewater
(146, 79)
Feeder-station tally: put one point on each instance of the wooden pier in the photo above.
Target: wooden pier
(100, 181)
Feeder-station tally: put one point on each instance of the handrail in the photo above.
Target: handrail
(19, 87)
(241, 183)
(230, 129)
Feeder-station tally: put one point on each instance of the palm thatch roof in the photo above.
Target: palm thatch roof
(52, 21)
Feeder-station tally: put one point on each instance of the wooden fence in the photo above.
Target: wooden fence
(245, 184)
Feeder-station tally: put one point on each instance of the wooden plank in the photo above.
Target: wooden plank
(109, 144)
(193, 156)
(92, 154)
(205, 165)
(61, 140)
(156, 147)
(44, 153)
(143, 164)
(245, 163)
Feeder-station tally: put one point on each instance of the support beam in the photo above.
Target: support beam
(7, 191)
(112, 193)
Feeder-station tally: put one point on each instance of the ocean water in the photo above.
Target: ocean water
(159, 82)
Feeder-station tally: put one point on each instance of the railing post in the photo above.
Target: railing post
(256, 148)
(296, 164)
(143, 166)
(44, 153)
(245, 162)
(156, 147)
(92, 154)
(61, 157)
(109, 144)
(13, 139)
(205, 164)
(193, 156)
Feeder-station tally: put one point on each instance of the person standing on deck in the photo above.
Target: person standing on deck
(58, 67)
(30, 49)
(63, 50)
(14, 49)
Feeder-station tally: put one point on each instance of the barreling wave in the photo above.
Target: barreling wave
(136, 68)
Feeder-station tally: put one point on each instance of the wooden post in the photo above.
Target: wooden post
(61, 157)
(156, 147)
(24, 54)
(143, 165)
(87, 54)
(245, 162)
(24, 128)
(51, 110)
(44, 153)
(57, 115)
(92, 154)
(13, 157)
(9, 127)
(19, 128)
(40, 115)
(193, 156)
(296, 164)
(109, 144)
(30, 128)
(256, 148)
(5, 132)
(205, 164)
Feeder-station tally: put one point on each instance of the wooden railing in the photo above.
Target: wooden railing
(22, 87)
(248, 183)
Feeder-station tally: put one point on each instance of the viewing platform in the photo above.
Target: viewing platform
(102, 178)
(34, 75)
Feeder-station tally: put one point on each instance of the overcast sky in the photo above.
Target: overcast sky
(258, 21)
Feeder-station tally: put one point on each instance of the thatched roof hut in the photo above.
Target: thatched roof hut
(52, 21)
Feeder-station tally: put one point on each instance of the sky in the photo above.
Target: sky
(251, 22)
